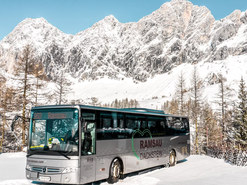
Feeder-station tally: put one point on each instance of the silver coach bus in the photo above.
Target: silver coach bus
(77, 144)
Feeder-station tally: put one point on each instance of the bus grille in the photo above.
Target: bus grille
(47, 170)
(53, 170)
(37, 169)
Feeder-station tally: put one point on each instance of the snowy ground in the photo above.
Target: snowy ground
(196, 170)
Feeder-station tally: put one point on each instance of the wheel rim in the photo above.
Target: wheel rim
(116, 169)
(172, 158)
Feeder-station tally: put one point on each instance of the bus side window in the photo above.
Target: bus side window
(110, 125)
(134, 123)
(186, 124)
(157, 126)
(88, 137)
(175, 126)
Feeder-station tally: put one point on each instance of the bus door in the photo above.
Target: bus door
(88, 150)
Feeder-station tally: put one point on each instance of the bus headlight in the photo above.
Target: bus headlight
(69, 170)
(28, 167)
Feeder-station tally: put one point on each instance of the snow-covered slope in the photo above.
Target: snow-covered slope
(163, 86)
(195, 170)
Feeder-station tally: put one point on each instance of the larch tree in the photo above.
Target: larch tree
(62, 83)
(180, 93)
(2, 114)
(40, 79)
(62, 88)
(196, 97)
(210, 127)
(173, 107)
(23, 69)
(6, 105)
(223, 99)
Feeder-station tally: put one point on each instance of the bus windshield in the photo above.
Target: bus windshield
(54, 130)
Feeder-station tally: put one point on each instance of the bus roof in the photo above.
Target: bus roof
(124, 110)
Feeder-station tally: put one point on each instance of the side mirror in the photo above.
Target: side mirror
(84, 126)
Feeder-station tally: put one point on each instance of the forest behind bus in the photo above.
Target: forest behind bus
(197, 70)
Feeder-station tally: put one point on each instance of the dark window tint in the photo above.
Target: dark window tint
(175, 126)
(156, 125)
(135, 123)
(88, 133)
(186, 124)
(110, 125)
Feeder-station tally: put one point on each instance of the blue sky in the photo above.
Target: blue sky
(72, 16)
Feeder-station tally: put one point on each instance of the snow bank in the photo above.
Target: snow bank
(16, 182)
(195, 170)
(12, 155)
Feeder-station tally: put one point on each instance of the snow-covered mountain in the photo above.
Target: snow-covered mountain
(139, 59)
(178, 32)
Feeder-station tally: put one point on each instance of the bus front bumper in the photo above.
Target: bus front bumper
(64, 178)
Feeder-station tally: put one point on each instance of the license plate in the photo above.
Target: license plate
(43, 178)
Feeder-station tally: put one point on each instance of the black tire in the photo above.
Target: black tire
(172, 158)
(115, 171)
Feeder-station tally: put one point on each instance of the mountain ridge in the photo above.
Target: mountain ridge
(178, 32)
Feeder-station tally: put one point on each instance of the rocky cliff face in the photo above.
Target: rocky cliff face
(178, 32)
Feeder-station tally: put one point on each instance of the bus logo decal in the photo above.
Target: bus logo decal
(142, 134)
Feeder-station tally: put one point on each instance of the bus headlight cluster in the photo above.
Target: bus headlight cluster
(69, 170)
(28, 167)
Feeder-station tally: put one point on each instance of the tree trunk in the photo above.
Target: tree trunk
(24, 106)
(1, 145)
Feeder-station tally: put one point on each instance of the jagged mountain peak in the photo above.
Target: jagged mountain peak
(109, 20)
(29, 23)
(234, 16)
(104, 25)
(35, 20)
(178, 32)
(36, 31)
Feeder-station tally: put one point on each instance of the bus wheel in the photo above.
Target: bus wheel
(172, 158)
(115, 170)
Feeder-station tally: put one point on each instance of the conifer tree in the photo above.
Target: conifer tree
(240, 117)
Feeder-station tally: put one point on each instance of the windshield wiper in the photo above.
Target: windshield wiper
(47, 151)
(65, 155)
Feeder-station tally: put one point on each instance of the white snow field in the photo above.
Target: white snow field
(163, 86)
(195, 170)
